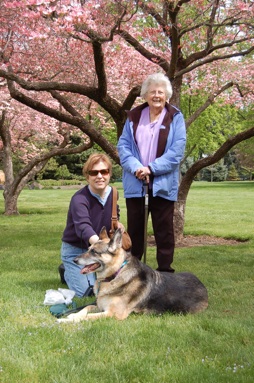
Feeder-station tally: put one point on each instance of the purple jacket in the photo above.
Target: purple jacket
(86, 216)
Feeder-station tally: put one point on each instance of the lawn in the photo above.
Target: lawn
(216, 346)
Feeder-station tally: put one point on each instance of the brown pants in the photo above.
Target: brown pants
(162, 214)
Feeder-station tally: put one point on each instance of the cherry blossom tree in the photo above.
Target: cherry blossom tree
(34, 138)
(89, 51)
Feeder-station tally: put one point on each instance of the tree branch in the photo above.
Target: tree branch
(205, 52)
(160, 61)
(211, 59)
(207, 103)
(210, 160)
(131, 97)
(75, 119)
(100, 68)
(75, 88)
(104, 100)
(209, 33)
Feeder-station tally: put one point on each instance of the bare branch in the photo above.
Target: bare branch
(205, 52)
(131, 97)
(100, 68)
(207, 103)
(210, 160)
(209, 33)
(143, 51)
(103, 99)
(75, 88)
(212, 59)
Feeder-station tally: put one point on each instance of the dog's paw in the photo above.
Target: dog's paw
(72, 318)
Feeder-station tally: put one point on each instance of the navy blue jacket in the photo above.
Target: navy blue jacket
(86, 217)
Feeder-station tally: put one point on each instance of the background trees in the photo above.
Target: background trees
(28, 141)
(90, 57)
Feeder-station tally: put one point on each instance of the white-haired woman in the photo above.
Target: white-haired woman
(150, 148)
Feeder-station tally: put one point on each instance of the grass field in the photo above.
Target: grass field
(216, 346)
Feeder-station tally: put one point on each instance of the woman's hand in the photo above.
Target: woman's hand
(94, 238)
(120, 226)
(143, 173)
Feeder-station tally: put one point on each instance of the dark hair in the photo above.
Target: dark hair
(94, 159)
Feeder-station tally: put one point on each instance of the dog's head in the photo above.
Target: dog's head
(105, 256)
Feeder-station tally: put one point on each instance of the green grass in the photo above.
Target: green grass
(215, 346)
(222, 209)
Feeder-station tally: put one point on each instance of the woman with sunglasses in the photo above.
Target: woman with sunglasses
(90, 209)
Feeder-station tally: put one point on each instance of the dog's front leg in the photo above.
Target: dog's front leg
(78, 317)
(99, 315)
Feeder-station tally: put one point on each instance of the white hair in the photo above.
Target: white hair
(157, 78)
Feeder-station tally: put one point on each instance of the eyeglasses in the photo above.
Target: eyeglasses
(95, 173)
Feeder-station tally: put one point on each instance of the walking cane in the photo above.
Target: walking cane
(146, 183)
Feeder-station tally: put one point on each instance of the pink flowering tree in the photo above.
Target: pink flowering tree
(32, 138)
(96, 54)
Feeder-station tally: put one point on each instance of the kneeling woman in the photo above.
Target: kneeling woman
(90, 209)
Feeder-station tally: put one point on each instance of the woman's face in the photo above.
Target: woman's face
(99, 177)
(156, 96)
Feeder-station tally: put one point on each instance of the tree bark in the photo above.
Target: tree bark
(14, 185)
(179, 218)
(11, 203)
(188, 178)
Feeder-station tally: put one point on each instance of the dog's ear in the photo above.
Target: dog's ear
(115, 242)
(103, 233)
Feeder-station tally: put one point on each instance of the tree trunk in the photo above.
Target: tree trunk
(187, 179)
(11, 203)
(179, 217)
(14, 185)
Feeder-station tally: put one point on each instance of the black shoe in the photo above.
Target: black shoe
(61, 270)
(89, 292)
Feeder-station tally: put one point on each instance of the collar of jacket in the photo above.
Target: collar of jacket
(135, 113)
(134, 117)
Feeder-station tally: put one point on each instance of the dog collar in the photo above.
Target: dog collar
(108, 279)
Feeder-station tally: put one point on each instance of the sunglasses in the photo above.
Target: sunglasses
(94, 173)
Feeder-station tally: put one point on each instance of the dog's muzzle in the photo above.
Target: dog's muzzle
(88, 268)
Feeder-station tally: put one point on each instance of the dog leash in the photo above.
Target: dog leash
(146, 184)
(114, 218)
(61, 310)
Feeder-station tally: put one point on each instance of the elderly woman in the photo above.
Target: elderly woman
(90, 209)
(150, 148)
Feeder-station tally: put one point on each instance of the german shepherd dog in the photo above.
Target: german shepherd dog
(125, 285)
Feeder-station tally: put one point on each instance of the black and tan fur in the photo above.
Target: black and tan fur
(125, 285)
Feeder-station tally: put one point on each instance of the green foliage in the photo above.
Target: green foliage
(213, 127)
(74, 162)
(213, 346)
(116, 173)
(232, 173)
(215, 173)
(62, 172)
(51, 183)
(71, 166)
(49, 170)
(245, 157)
(17, 163)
